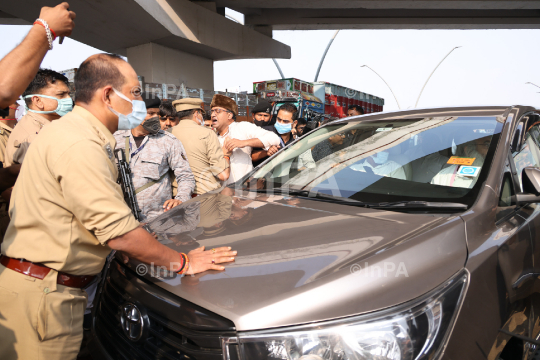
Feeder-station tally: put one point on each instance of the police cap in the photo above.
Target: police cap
(262, 106)
(188, 104)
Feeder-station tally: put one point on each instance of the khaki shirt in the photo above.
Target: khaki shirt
(204, 154)
(151, 162)
(5, 132)
(66, 203)
(26, 131)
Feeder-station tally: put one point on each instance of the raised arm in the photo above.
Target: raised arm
(19, 67)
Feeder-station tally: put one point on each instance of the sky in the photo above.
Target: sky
(490, 68)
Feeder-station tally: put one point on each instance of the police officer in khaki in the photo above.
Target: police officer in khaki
(67, 214)
(209, 162)
(47, 99)
(7, 124)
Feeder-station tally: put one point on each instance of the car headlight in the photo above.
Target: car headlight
(415, 330)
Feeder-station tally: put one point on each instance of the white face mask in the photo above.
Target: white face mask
(201, 118)
(133, 119)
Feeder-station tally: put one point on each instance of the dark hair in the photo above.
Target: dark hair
(288, 107)
(357, 108)
(186, 114)
(301, 121)
(207, 116)
(43, 78)
(167, 109)
(97, 72)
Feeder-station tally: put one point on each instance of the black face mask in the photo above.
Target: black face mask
(261, 123)
(152, 125)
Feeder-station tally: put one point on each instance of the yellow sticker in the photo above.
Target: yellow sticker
(461, 161)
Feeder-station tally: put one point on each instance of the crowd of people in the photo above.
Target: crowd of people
(61, 208)
(178, 151)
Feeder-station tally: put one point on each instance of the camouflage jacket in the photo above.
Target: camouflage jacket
(151, 162)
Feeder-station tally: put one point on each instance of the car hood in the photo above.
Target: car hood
(301, 260)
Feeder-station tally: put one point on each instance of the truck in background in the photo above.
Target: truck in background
(320, 97)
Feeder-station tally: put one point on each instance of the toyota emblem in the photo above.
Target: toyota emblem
(133, 321)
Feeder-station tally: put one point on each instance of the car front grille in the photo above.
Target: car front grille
(175, 328)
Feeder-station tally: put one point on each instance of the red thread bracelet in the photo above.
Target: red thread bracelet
(52, 31)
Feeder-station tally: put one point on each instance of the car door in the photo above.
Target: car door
(518, 257)
(526, 153)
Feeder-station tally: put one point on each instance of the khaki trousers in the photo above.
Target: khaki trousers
(4, 219)
(39, 319)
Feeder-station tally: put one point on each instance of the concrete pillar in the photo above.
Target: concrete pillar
(160, 64)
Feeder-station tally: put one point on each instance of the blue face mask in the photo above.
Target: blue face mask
(64, 105)
(283, 128)
(380, 157)
(133, 119)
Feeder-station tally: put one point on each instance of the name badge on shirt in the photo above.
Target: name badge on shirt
(109, 151)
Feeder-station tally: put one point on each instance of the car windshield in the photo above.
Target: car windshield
(443, 159)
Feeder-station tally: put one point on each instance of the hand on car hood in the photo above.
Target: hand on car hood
(301, 260)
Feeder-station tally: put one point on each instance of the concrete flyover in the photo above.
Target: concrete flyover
(166, 41)
(387, 14)
(177, 41)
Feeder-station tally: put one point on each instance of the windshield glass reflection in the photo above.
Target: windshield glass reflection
(388, 160)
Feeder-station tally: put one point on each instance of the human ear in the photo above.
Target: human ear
(36, 100)
(105, 95)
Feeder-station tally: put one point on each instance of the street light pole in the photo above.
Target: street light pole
(324, 55)
(528, 82)
(429, 77)
(279, 68)
(392, 91)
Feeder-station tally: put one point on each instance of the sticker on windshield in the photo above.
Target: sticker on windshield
(471, 171)
(456, 160)
(383, 129)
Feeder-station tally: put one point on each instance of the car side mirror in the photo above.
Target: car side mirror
(530, 178)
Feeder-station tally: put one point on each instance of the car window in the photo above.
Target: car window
(529, 151)
(507, 192)
(507, 204)
(386, 160)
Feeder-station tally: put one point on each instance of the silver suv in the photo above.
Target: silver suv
(406, 235)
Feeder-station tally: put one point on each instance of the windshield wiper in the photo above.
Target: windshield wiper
(316, 196)
(420, 205)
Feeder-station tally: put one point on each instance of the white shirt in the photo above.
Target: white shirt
(305, 159)
(241, 157)
(390, 169)
(449, 176)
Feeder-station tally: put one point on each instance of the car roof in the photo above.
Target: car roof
(443, 111)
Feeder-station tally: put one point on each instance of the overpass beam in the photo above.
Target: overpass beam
(161, 64)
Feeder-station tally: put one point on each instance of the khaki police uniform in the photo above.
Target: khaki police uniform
(23, 134)
(65, 206)
(5, 132)
(203, 150)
